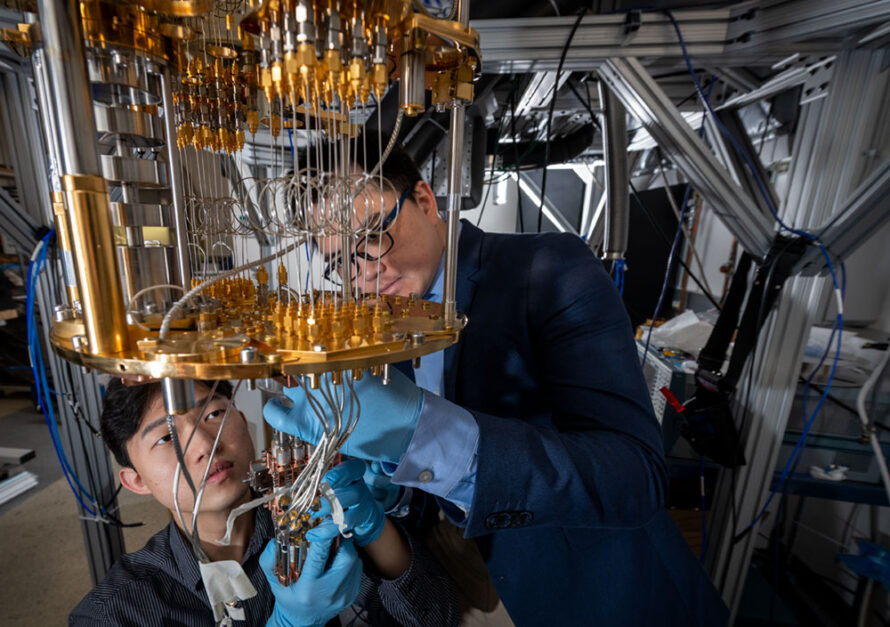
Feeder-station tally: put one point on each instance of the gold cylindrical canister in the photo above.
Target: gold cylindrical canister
(92, 245)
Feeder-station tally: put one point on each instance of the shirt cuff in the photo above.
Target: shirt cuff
(402, 507)
(441, 457)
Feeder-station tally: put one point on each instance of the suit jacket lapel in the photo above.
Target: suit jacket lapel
(468, 264)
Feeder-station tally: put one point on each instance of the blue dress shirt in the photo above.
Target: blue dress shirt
(441, 458)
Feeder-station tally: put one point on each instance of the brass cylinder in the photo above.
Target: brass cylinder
(63, 239)
(92, 245)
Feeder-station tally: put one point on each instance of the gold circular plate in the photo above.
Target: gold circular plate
(292, 363)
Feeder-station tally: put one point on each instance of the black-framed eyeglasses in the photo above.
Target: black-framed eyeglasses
(372, 246)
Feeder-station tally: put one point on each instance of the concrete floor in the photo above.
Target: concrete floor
(22, 426)
(44, 572)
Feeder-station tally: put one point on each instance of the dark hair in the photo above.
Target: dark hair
(124, 407)
(399, 168)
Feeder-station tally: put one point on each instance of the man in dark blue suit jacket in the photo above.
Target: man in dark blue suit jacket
(560, 473)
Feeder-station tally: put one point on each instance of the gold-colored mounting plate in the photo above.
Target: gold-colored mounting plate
(190, 354)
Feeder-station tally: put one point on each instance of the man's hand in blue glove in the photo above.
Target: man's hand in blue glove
(387, 421)
(319, 594)
(381, 486)
(361, 513)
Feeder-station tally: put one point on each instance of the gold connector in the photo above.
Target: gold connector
(253, 121)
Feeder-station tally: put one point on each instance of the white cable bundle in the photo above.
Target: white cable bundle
(866, 422)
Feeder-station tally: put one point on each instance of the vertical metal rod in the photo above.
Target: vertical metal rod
(455, 153)
(72, 103)
(617, 183)
(455, 158)
(84, 188)
(346, 161)
(176, 183)
(43, 89)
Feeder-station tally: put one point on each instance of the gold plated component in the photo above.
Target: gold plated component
(287, 65)
(86, 200)
(351, 337)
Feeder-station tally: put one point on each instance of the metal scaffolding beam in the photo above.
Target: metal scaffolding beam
(860, 218)
(782, 26)
(533, 191)
(536, 44)
(739, 36)
(646, 101)
(827, 164)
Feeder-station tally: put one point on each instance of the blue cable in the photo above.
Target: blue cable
(619, 268)
(839, 319)
(801, 441)
(44, 386)
(41, 384)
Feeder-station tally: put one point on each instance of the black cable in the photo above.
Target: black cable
(667, 240)
(636, 195)
(80, 419)
(761, 313)
(487, 191)
(494, 158)
(562, 60)
(516, 156)
(831, 398)
(733, 478)
(71, 399)
(586, 105)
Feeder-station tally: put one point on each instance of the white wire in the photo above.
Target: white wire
(866, 422)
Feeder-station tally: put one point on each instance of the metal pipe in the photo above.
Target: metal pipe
(176, 183)
(71, 100)
(43, 89)
(412, 76)
(73, 137)
(615, 150)
(455, 157)
(346, 242)
(455, 150)
(179, 395)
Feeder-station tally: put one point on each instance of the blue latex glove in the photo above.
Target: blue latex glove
(361, 513)
(386, 423)
(318, 595)
(381, 486)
